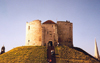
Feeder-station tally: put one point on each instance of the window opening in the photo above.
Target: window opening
(50, 43)
(28, 27)
(50, 35)
(47, 32)
(28, 40)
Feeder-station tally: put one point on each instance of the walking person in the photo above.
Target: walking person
(50, 60)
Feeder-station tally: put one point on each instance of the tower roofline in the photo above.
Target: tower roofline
(49, 22)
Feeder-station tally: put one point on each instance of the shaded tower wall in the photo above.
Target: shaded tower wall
(65, 33)
(43, 34)
(33, 33)
(49, 33)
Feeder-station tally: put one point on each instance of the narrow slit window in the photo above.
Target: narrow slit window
(28, 27)
(47, 32)
(28, 40)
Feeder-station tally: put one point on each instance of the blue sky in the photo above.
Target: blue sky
(84, 14)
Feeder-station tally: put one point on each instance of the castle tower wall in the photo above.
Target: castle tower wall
(56, 35)
(65, 33)
(43, 36)
(50, 33)
(33, 33)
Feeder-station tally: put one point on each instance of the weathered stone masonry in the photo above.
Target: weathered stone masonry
(34, 33)
(38, 34)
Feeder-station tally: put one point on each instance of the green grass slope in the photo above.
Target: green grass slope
(25, 54)
(65, 54)
(38, 54)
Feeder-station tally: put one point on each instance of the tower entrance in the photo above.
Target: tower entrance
(51, 53)
(50, 43)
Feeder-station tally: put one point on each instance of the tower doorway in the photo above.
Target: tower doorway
(50, 43)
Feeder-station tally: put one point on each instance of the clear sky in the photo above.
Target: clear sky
(84, 14)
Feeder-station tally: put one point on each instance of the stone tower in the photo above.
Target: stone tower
(49, 32)
(3, 49)
(33, 33)
(96, 50)
(65, 33)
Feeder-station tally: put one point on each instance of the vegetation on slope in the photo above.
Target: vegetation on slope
(25, 54)
(73, 55)
(38, 54)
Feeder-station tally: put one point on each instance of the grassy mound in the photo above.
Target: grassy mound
(38, 54)
(65, 54)
(25, 54)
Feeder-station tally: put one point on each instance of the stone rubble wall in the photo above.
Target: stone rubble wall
(38, 34)
(34, 33)
(49, 33)
(65, 33)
